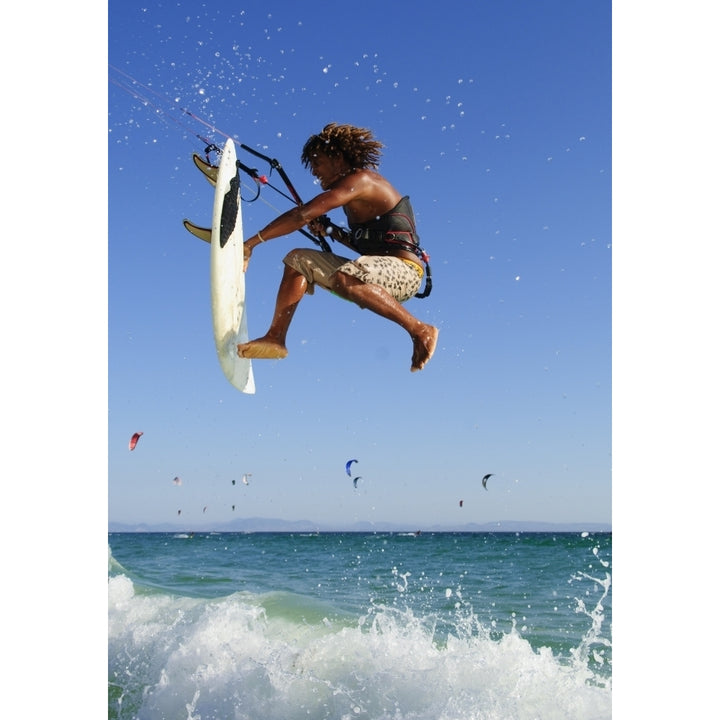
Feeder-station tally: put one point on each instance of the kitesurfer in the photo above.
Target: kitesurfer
(387, 272)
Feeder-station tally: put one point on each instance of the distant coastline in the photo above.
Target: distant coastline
(277, 525)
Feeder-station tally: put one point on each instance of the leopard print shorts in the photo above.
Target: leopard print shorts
(401, 278)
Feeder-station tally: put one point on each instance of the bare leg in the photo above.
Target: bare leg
(272, 344)
(373, 297)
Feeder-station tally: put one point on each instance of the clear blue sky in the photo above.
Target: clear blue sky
(496, 119)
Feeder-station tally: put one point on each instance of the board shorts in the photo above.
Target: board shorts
(401, 278)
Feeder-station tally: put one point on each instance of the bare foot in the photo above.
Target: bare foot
(262, 348)
(424, 343)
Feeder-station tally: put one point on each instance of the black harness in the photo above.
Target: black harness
(395, 230)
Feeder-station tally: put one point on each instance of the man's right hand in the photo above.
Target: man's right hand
(320, 226)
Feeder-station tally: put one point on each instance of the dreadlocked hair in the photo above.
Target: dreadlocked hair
(355, 144)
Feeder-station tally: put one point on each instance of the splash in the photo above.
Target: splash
(592, 649)
(279, 658)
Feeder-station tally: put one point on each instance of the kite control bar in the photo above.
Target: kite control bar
(275, 165)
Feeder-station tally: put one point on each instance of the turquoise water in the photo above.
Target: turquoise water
(432, 626)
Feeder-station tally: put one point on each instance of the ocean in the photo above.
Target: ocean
(359, 626)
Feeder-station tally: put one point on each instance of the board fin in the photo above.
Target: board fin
(199, 232)
(209, 171)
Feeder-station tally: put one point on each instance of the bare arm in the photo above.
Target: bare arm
(297, 217)
(361, 194)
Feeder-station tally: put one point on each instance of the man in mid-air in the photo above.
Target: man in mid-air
(388, 272)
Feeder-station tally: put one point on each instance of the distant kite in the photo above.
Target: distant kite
(205, 508)
(177, 481)
(233, 507)
(233, 482)
(347, 467)
(179, 511)
(134, 440)
(485, 479)
(245, 478)
(461, 502)
(355, 479)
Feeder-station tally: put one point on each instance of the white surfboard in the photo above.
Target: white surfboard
(227, 279)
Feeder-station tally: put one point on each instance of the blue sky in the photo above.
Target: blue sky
(496, 119)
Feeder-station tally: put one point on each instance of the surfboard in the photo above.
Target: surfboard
(227, 279)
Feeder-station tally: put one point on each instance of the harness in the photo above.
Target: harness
(392, 231)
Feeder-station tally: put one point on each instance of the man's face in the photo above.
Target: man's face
(327, 169)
